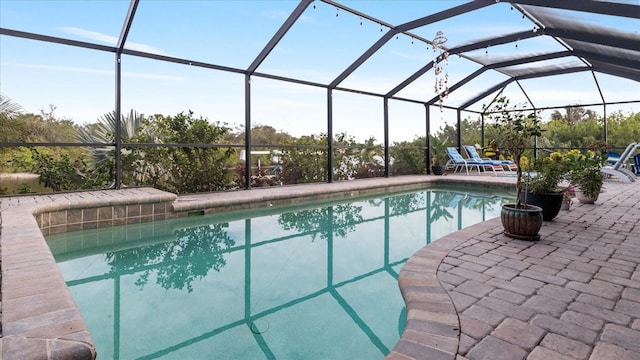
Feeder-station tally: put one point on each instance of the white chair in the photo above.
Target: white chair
(618, 170)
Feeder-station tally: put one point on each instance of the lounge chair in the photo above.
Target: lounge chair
(618, 170)
(457, 162)
(612, 157)
(497, 164)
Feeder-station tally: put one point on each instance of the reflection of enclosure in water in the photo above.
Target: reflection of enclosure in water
(188, 253)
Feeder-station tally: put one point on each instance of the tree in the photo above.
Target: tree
(515, 127)
(187, 169)
(9, 108)
(574, 115)
(306, 161)
(103, 157)
(409, 157)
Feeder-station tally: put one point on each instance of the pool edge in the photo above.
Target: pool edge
(42, 320)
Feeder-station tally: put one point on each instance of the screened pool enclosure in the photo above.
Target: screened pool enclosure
(306, 91)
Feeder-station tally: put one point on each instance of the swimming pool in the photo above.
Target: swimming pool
(277, 283)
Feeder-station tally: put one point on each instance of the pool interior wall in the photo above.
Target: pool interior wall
(337, 256)
(40, 318)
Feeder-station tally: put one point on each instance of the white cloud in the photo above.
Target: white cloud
(94, 71)
(90, 35)
(281, 16)
(111, 40)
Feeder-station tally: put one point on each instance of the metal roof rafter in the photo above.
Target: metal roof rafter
(293, 17)
(460, 49)
(523, 35)
(617, 72)
(461, 9)
(126, 26)
(423, 70)
(626, 63)
(460, 83)
(501, 85)
(530, 59)
(524, 77)
(596, 7)
(500, 65)
(600, 39)
(445, 14)
(56, 40)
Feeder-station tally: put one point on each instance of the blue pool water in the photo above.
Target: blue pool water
(289, 283)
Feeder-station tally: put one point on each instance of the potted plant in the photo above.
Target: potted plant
(567, 198)
(438, 154)
(585, 173)
(514, 127)
(542, 189)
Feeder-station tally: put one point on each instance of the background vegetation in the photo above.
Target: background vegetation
(185, 153)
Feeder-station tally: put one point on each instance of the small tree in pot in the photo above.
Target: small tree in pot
(542, 189)
(438, 154)
(515, 127)
(584, 172)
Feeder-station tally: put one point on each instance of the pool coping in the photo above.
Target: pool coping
(40, 319)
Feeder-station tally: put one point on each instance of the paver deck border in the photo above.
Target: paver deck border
(39, 316)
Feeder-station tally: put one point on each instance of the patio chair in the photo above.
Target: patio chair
(636, 164)
(618, 170)
(457, 162)
(498, 165)
(612, 157)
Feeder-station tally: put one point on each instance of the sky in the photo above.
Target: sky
(324, 41)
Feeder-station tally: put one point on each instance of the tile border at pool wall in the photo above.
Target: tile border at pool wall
(40, 319)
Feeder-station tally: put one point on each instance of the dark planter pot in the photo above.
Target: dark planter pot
(522, 224)
(550, 203)
(437, 170)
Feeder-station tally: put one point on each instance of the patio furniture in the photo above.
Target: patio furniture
(612, 157)
(618, 170)
(498, 165)
(457, 162)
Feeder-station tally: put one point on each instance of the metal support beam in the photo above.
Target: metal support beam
(247, 131)
(428, 132)
(386, 136)
(118, 127)
(482, 131)
(459, 125)
(126, 26)
(329, 135)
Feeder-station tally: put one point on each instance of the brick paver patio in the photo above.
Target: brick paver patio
(574, 294)
(474, 294)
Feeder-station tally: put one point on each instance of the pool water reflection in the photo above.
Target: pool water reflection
(291, 283)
